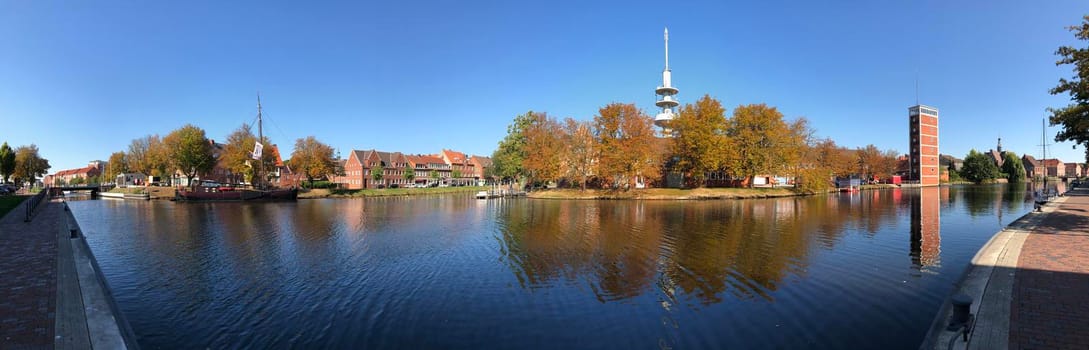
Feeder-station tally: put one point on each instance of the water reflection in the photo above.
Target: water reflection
(926, 236)
(455, 272)
(704, 250)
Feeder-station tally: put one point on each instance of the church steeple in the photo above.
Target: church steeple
(999, 145)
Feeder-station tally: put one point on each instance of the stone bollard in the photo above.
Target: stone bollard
(962, 314)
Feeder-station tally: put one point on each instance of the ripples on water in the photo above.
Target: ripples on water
(864, 270)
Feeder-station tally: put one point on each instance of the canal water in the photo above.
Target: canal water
(861, 270)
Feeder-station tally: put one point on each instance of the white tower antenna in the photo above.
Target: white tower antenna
(665, 93)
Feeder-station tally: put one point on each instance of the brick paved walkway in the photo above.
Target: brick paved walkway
(28, 272)
(1050, 301)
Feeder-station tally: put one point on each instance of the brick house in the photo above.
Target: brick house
(462, 170)
(423, 166)
(69, 176)
(481, 165)
(1033, 167)
(1054, 167)
(1073, 169)
(360, 166)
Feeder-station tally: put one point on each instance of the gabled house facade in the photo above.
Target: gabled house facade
(1054, 167)
(481, 165)
(1033, 167)
(1073, 169)
(462, 171)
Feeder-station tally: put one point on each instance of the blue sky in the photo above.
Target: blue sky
(81, 80)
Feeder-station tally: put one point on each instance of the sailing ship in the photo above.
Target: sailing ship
(258, 192)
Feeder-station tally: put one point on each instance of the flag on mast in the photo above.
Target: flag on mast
(257, 147)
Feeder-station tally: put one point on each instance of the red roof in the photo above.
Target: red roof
(83, 170)
(425, 159)
(455, 156)
(1052, 162)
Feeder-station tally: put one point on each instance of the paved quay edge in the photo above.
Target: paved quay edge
(989, 281)
(106, 324)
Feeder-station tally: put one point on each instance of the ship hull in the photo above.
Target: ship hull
(237, 196)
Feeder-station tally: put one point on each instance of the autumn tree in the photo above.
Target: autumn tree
(629, 149)
(760, 139)
(29, 165)
(189, 151)
(138, 154)
(543, 148)
(580, 151)
(889, 163)
(116, 165)
(147, 155)
(869, 159)
(508, 157)
(1074, 117)
(700, 145)
(7, 162)
(238, 154)
(313, 158)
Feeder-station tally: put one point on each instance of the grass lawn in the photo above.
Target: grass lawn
(7, 203)
(323, 193)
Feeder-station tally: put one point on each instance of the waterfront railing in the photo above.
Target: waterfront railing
(33, 202)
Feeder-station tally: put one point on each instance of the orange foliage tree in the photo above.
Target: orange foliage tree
(543, 148)
(629, 151)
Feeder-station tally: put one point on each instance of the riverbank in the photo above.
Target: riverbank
(668, 193)
(1028, 284)
(385, 192)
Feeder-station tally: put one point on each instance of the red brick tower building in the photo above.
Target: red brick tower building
(923, 127)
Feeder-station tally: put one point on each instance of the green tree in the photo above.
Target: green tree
(410, 174)
(312, 158)
(760, 141)
(378, 172)
(508, 157)
(434, 174)
(7, 162)
(700, 143)
(190, 151)
(978, 168)
(1074, 118)
(1012, 167)
(29, 165)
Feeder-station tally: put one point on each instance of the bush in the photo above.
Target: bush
(319, 185)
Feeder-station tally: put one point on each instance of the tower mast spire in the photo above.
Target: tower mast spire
(667, 48)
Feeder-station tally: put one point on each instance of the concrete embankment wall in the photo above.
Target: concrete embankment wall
(988, 281)
(86, 309)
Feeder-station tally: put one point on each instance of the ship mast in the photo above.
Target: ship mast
(260, 139)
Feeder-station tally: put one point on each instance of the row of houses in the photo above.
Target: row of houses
(1052, 167)
(447, 168)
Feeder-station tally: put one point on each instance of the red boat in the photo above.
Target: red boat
(235, 195)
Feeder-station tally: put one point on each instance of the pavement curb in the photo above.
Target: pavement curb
(986, 285)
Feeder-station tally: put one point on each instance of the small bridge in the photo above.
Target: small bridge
(94, 189)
